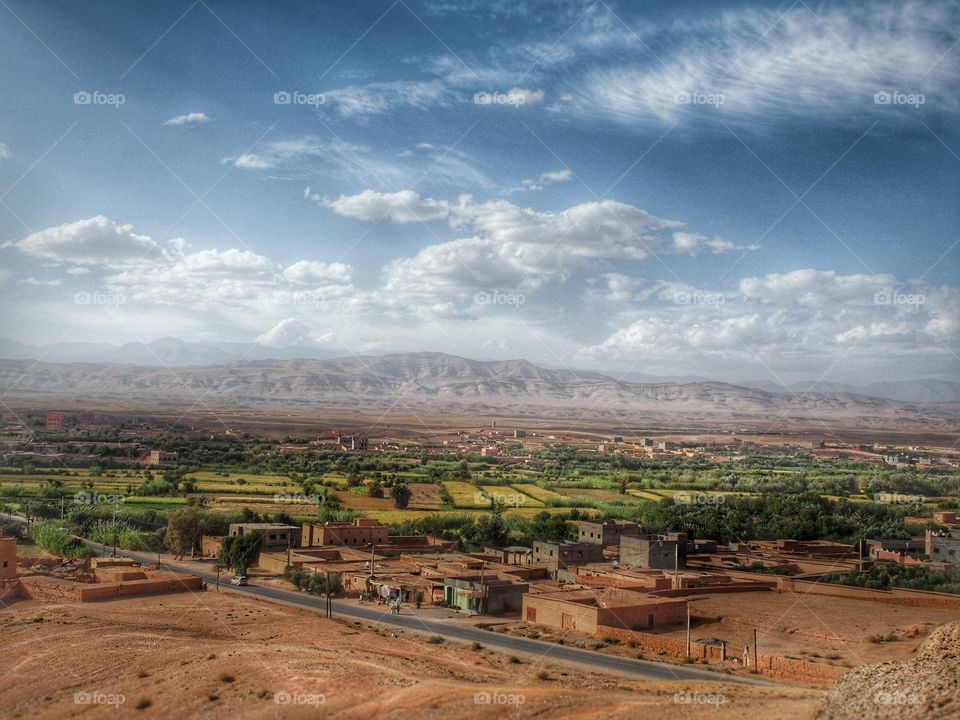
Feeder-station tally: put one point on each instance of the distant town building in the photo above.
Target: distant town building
(56, 421)
(274, 536)
(519, 433)
(607, 532)
(617, 439)
(161, 458)
(945, 518)
(646, 442)
(562, 556)
(86, 418)
(489, 452)
(361, 532)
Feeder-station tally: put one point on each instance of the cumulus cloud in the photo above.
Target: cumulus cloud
(94, 241)
(512, 247)
(399, 207)
(311, 272)
(815, 287)
(4, 152)
(194, 118)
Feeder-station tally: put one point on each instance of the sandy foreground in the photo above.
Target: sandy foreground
(219, 655)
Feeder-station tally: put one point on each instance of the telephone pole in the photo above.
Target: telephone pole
(756, 656)
(688, 629)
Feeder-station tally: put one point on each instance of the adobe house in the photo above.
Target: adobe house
(561, 558)
(8, 558)
(587, 611)
(651, 551)
(489, 596)
(361, 532)
(607, 532)
(273, 536)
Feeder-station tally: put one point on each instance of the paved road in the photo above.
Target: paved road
(549, 652)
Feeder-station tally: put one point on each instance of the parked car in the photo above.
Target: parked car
(238, 580)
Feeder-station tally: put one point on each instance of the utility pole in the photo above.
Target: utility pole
(483, 593)
(756, 655)
(329, 598)
(218, 575)
(288, 549)
(688, 630)
(114, 530)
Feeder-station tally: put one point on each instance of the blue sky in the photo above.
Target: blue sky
(733, 190)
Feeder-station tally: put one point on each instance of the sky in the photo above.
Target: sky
(732, 190)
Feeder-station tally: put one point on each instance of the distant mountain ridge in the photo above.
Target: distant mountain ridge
(438, 383)
(173, 352)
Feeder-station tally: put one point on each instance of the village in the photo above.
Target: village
(756, 607)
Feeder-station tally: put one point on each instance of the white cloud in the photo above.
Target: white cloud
(311, 272)
(250, 161)
(286, 333)
(35, 281)
(4, 152)
(94, 241)
(542, 180)
(355, 101)
(815, 287)
(194, 118)
(815, 62)
(522, 249)
(400, 207)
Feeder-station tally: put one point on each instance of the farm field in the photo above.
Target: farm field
(425, 496)
(510, 497)
(466, 495)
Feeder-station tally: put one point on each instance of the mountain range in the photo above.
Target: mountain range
(173, 352)
(416, 383)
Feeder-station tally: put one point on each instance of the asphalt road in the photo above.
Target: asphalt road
(534, 649)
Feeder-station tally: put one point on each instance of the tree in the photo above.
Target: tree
(183, 531)
(239, 551)
(401, 495)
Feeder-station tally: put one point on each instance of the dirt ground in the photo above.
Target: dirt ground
(218, 655)
(815, 627)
